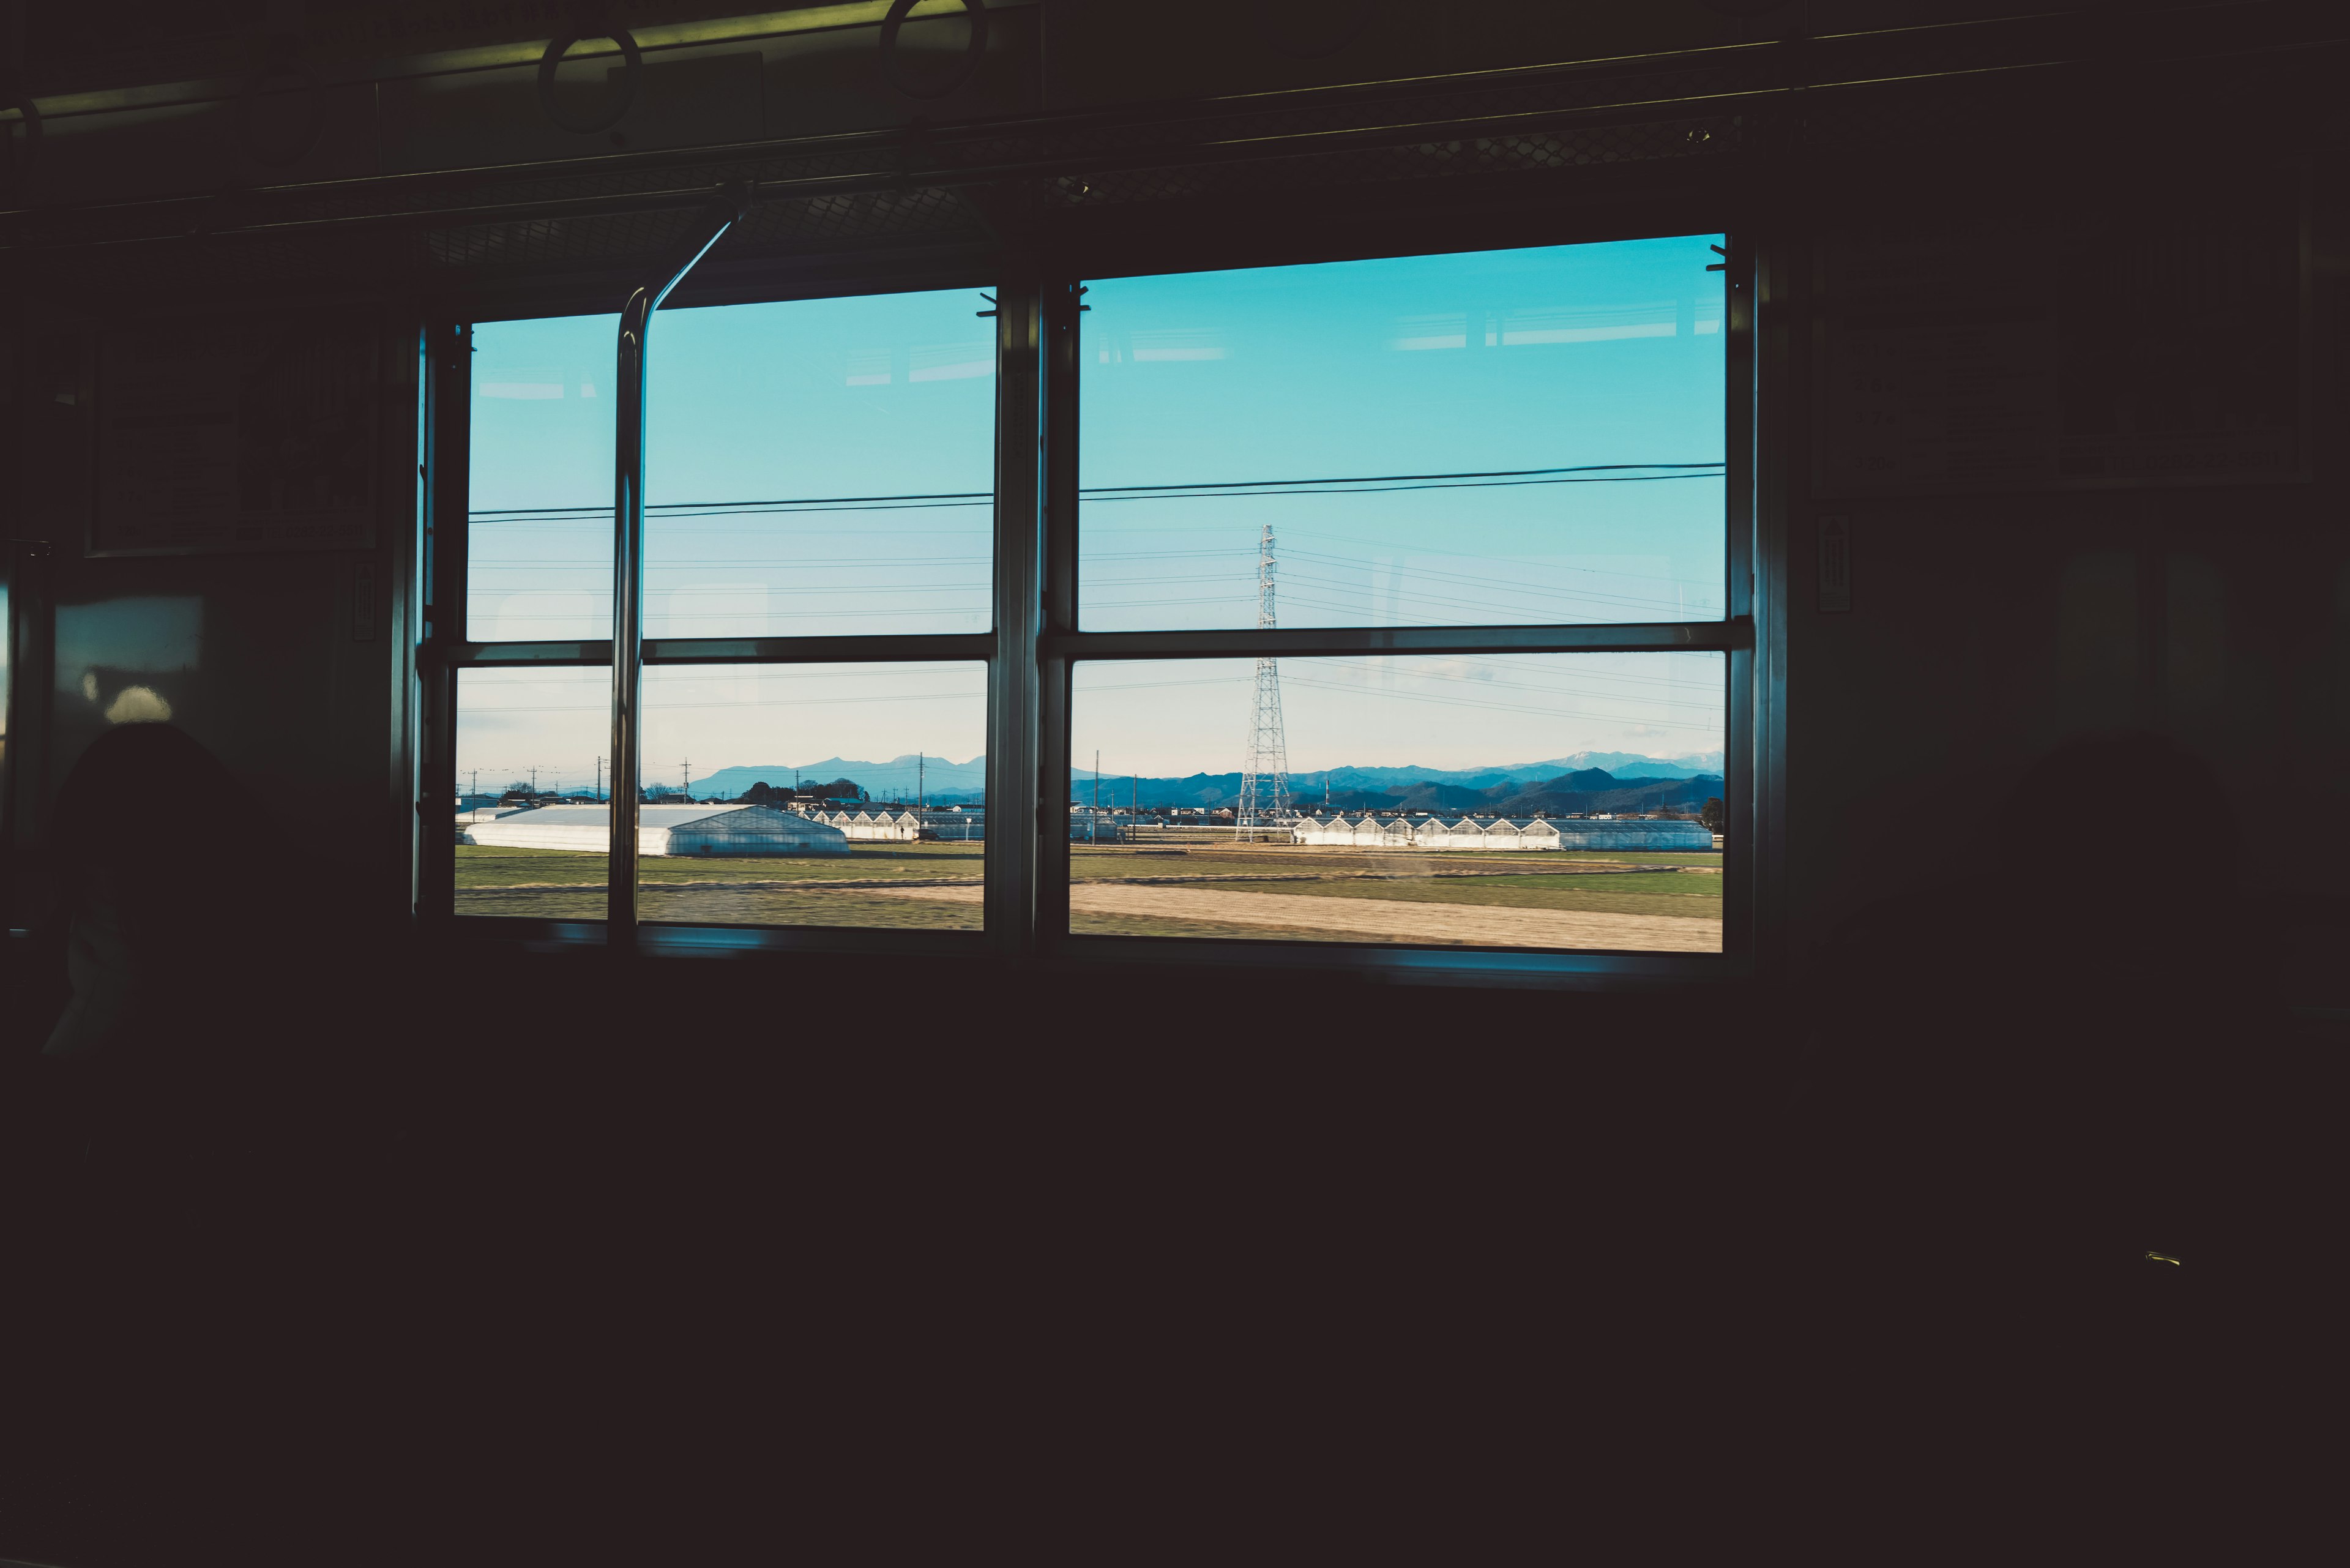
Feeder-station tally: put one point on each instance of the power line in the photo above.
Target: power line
(1601, 472)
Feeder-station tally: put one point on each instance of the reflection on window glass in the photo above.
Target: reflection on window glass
(1524, 437)
(821, 467)
(1559, 801)
(530, 742)
(835, 795)
(540, 556)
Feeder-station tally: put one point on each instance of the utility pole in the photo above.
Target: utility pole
(921, 784)
(598, 790)
(685, 786)
(534, 784)
(1096, 835)
(477, 781)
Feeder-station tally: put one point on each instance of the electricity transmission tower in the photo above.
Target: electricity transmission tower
(1264, 774)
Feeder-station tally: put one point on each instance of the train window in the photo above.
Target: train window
(1521, 436)
(1562, 801)
(823, 794)
(813, 470)
(1397, 602)
(541, 522)
(1412, 603)
(820, 467)
(531, 749)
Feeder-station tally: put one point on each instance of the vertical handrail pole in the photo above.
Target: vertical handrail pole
(628, 572)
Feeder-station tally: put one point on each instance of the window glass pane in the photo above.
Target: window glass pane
(539, 561)
(1563, 801)
(807, 795)
(819, 467)
(1523, 436)
(529, 741)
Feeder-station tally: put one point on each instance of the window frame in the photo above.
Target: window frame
(1035, 641)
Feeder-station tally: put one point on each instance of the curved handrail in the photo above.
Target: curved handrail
(621, 101)
(968, 67)
(17, 99)
(724, 212)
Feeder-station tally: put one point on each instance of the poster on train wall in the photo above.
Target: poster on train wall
(2111, 344)
(236, 436)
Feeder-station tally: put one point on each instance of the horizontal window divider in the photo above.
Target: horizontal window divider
(881, 648)
(1306, 642)
(512, 655)
(1398, 964)
(656, 939)
(885, 648)
(1384, 962)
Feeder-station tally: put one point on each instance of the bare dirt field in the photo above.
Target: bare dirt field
(1554, 900)
(1353, 919)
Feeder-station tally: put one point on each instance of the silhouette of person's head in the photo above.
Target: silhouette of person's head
(141, 865)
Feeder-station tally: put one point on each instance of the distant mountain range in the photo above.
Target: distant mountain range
(1622, 764)
(941, 782)
(1577, 790)
(1587, 780)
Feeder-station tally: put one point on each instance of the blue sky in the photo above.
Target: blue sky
(823, 467)
(1606, 358)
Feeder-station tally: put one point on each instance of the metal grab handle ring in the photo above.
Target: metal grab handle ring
(621, 101)
(280, 63)
(20, 101)
(1340, 37)
(899, 10)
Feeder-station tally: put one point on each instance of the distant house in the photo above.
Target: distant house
(662, 830)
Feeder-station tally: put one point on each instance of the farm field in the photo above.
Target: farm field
(1559, 900)
(562, 885)
(1284, 892)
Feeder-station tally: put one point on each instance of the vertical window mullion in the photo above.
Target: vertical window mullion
(1738, 861)
(1061, 343)
(1015, 764)
(448, 488)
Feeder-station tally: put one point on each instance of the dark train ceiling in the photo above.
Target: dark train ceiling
(170, 167)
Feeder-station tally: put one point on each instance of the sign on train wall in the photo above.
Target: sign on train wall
(236, 436)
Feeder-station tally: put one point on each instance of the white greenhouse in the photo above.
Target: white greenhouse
(906, 826)
(1618, 833)
(900, 827)
(663, 830)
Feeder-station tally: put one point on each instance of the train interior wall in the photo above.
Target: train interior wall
(454, 1227)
